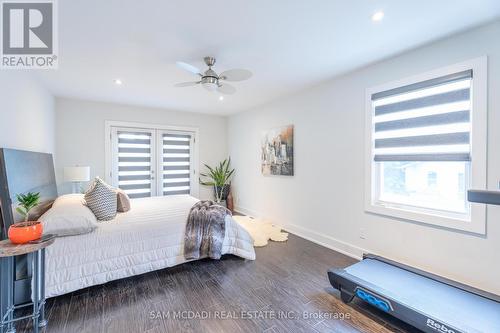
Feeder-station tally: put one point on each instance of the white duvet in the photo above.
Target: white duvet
(148, 237)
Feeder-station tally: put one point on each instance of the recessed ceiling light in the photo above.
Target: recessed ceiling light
(221, 98)
(378, 16)
(118, 82)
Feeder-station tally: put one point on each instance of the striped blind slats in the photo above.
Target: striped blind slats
(426, 121)
(134, 163)
(134, 141)
(139, 195)
(175, 159)
(133, 168)
(185, 183)
(142, 153)
(177, 192)
(447, 79)
(134, 159)
(424, 140)
(135, 186)
(175, 175)
(418, 103)
(176, 167)
(135, 150)
(135, 177)
(438, 119)
(176, 164)
(176, 143)
(422, 157)
(175, 151)
(184, 137)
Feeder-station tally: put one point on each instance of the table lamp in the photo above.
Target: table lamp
(77, 175)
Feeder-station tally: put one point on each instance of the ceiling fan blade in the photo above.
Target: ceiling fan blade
(186, 84)
(188, 67)
(227, 89)
(235, 75)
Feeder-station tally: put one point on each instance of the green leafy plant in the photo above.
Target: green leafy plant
(218, 177)
(27, 202)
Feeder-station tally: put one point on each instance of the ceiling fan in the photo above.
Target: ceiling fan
(212, 81)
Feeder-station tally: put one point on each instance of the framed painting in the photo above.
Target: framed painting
(277, 151)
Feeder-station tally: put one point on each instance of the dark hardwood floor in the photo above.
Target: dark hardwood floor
(285, 290)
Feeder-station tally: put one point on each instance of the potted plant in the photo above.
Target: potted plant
(23, 232)
(219, 177)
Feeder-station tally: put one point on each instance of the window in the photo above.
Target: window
(432, 178)
(149, 161)
(427, 147)
(133, 157)
(176, 167)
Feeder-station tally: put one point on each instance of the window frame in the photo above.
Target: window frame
(109, 126)
(478, 165)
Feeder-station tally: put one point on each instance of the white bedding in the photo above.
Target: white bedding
(148, 237)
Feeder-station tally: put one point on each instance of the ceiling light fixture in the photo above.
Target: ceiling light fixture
(118, 82)
(221, 98)
(378, 16)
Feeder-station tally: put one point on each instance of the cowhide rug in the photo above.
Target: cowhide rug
(261, 230)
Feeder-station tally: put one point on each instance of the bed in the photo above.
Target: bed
(148, 237)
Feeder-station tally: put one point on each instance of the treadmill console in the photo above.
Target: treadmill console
(373, 299)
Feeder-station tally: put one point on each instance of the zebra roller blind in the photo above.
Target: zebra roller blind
(176, 163)
(426, 121)
(135, 163)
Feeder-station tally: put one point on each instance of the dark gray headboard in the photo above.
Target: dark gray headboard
(20, 172)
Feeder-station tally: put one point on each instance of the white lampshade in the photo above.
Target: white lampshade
(77, 174)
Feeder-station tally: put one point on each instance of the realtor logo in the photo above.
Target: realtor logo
(29, 38)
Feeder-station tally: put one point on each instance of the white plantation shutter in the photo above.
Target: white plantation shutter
(426, 121)
(176, 163)
(135, 162)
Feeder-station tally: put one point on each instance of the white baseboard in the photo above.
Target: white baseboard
(315, 237)
(327, 241)
(245, 211)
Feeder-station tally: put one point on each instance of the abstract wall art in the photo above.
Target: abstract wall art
(277, 151)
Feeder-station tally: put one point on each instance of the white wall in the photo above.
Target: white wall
(324, 200)
(26, 113)
(80, 133)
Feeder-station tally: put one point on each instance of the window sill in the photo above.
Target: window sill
(475, 223)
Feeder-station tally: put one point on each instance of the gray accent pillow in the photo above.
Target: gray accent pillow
(102, 200)
(123, 202)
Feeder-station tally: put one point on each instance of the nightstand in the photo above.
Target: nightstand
(7, 253)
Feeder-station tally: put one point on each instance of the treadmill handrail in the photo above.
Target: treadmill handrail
(435, 277)
(484, 196)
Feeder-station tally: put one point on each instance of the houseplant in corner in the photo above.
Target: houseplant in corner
(23, 232)
(219, 177)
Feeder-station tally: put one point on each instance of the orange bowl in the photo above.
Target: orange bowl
(23, 232)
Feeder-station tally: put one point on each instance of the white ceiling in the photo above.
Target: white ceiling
(288, 45)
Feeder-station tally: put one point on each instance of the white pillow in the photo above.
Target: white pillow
(68, 217)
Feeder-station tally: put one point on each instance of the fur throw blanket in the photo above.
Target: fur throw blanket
(205, 230)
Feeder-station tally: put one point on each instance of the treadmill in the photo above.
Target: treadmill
(424, 300)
